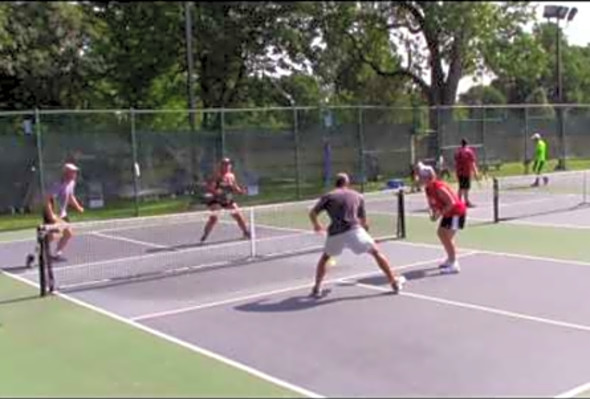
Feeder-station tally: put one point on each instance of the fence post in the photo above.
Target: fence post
(562, 119)
(136, 169)
(297, 160)
(40, 152)
(222, 131)
(483, 136)
(525, 137)
(361, 138)
(439, 132)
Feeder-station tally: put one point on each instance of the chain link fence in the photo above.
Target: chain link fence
(130, 157)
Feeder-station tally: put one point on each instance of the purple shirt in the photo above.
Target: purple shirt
(62, 192)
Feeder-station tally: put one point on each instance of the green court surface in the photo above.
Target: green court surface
(52, 347)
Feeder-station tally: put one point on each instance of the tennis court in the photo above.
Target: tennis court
(508, 324)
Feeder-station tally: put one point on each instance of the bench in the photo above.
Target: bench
(489, 164)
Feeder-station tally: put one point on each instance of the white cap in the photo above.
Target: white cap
(536, 136)
(425, 171)
(71, 167)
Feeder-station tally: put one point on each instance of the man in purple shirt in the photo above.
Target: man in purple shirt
(61, 195)
(348, 229)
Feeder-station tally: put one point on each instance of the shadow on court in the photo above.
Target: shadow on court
(302, 302)
(412, 275)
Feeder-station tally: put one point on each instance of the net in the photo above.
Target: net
(515, 197)
(107, 252)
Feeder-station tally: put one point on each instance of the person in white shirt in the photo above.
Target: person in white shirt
(62, 195)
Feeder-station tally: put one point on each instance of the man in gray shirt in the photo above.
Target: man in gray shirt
(348, 229)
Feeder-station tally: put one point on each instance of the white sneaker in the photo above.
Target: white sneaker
(399, 284)
(450, 268)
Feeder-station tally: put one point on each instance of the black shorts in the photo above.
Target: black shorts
(453, 223)
(222, 204)
(464, 182)
(47, 220)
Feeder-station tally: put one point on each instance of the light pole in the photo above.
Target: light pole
(559, 13)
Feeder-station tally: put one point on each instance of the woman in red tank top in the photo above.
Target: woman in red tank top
(445, 205)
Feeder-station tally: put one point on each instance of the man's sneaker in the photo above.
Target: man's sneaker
(545, 180)
(470, 205)
(318, 293)
(450, 268)
(399, 284)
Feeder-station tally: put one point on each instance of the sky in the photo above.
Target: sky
(577, 31)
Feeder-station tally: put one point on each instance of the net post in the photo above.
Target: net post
(252, 232)
(401, 214)
(496, 200)
(42, 261)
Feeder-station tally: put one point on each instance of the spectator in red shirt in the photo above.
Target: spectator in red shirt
(445, 205)
(465, 167)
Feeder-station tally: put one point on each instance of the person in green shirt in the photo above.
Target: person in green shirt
(540, 158)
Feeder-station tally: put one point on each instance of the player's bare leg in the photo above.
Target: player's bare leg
(395, 282)
(213, 218)
(239, 218)
(63, 241)
(446, 237)
(320, 274)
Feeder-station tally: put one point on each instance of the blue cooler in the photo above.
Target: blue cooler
(395, 184)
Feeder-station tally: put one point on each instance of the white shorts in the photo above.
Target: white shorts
(357, 240)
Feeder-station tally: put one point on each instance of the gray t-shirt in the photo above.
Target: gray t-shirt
(345, 207)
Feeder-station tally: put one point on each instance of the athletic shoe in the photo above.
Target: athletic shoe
(470, 205)
(58, 257)
(545, 180)
(399, 284)
(30, 260)
(317, 293)
(450, 268)
(247, 235)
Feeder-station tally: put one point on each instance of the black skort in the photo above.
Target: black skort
(47, 220)
(453, 223)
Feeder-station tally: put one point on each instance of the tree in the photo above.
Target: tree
(44, 55)
(435, 43)
(139, 43)
(482, 95)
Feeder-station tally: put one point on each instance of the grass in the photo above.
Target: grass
(53, 348)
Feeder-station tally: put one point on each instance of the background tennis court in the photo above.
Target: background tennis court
(517, 305)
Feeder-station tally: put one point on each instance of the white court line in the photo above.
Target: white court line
(125, 239)
(228, 301)
(507, 254)
(230, 362)
(487, 309)
(574, 391)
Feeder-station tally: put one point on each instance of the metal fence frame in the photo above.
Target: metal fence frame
(432, 124)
